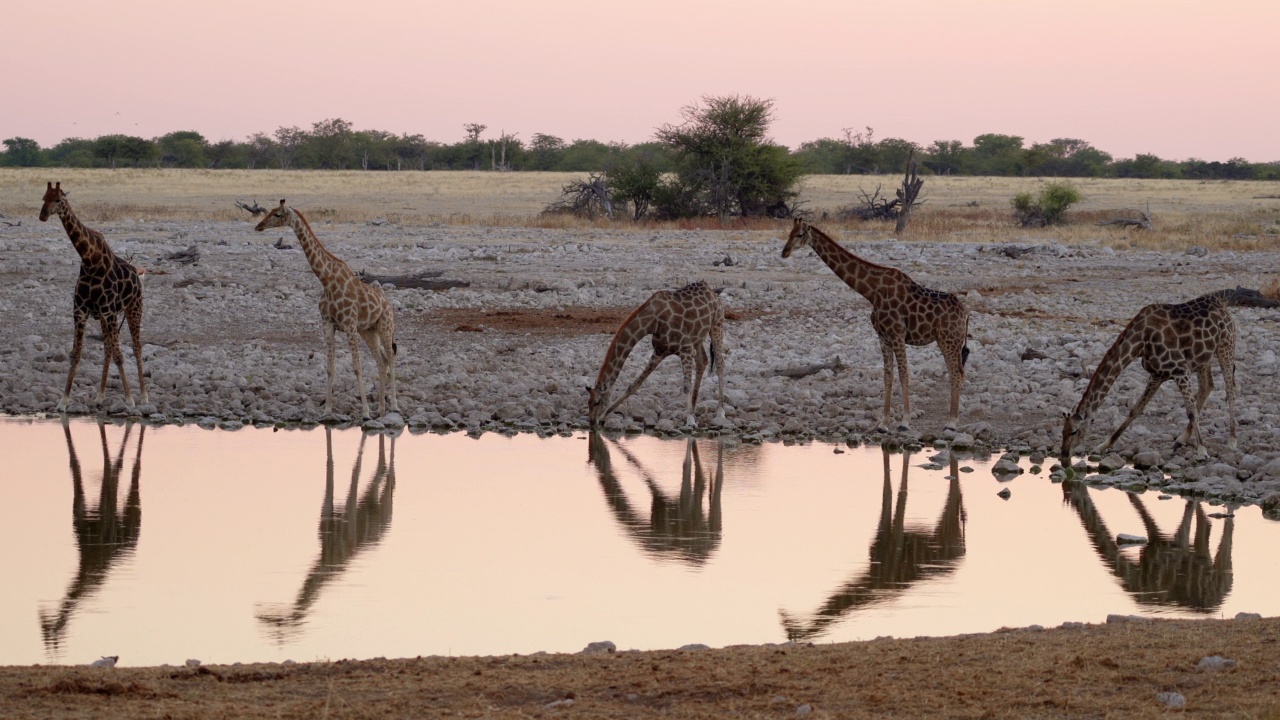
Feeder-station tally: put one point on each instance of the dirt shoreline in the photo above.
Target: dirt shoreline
(1129, 668)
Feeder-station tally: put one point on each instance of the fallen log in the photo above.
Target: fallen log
(1247, 297)
(186, 257)
(254, 210)
(803, 371)
(422, 281)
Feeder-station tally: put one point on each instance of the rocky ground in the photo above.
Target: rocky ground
(235, 337)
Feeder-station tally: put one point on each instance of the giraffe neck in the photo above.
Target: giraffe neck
(634, 329)
(1125, 350)
(89, 244)
(323, 263)
(861, 275)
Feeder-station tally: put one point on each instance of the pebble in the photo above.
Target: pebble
(1171, 700)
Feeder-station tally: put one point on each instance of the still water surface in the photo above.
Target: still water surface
(160, 544)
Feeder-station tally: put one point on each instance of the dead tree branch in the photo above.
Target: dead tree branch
(583, 198)
(907, 194)
(185, 257)
(421, 281)
(1142, 222)
(254, 210)
(1246, 297)
(803, 371)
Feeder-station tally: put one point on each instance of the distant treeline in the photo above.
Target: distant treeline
(335, 144)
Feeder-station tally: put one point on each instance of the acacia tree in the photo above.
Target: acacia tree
(724, 162)
(21, 152)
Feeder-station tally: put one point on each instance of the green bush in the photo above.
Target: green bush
(1047, 208)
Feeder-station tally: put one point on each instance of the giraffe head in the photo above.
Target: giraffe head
(1074, 426)
(799, 237)
(278, 217)
(597, 399)
(53, 199)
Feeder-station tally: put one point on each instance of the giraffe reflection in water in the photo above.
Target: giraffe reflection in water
(1171, 569)
(900, 556)
(345, 530)
(676, 527)
(105, 534)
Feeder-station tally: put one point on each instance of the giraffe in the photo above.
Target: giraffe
(902, 313)
(680, 321)
(1173, 342)
(348, 304)
(105, 535)
(900, 555)
(346, 529)
(108, 287)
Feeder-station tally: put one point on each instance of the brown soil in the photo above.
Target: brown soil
(566, 322)
(1113, 670)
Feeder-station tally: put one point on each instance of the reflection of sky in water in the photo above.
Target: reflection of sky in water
(501, 545)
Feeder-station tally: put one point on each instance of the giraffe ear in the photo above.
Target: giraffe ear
(58, 186)
(50, 185)
(281, 202)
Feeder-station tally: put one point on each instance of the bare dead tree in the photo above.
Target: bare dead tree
(254, 210)
(1142, 222)
(907, 194)
(498, 152)
(870, 207)
(583, 198)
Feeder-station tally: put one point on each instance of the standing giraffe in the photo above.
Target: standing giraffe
(902, 313)
(1174, 342)
(348, 304)
(680, 322)
(108, 287)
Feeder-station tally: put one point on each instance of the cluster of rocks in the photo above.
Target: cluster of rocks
(234, 338)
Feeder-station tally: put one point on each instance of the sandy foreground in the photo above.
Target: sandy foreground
(234, 338)
(1133, 669)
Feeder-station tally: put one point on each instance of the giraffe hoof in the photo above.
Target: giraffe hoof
(903, 427)
(882, 428)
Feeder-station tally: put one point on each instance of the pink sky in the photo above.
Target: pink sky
(1177, 78)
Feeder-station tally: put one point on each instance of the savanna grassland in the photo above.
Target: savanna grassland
(573, 272)
(1217, 214)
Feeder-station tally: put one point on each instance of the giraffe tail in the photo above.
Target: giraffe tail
(711, 363)
(964, 354)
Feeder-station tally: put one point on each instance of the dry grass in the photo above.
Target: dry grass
(1215, 215)
(1113, 670)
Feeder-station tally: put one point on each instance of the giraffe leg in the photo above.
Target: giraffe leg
(373, 339)
(900, 351)
(1227, 362)
(387, 334)
(77, 345)
(634, 386)
(331, 343)
(952, 355)
(719, 357)
(1153, 384)
(700, 368)
(886, 416)
(111, 351)
(1193, 420)
(354, 342)
(689, 362)
(133, 314)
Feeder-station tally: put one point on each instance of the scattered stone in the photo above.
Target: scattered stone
(565, 703)
(962, 440)
(1127, 539)
(691, 647)
(1214, 662)
(192, 662)
(804, 710)
(1111, 463)
(1171, 700)
(1248, 616)
(1005, 466)
(603, 646)
(1004, 494)
(1147, 459)
(106, 661)
(1116, 618)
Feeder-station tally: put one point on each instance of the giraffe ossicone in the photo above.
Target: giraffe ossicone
(109, 287)
(903, 313)
(681, 323)
(1174, 342)
(358, 309)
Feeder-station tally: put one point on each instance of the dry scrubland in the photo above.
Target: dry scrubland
(236, 335)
